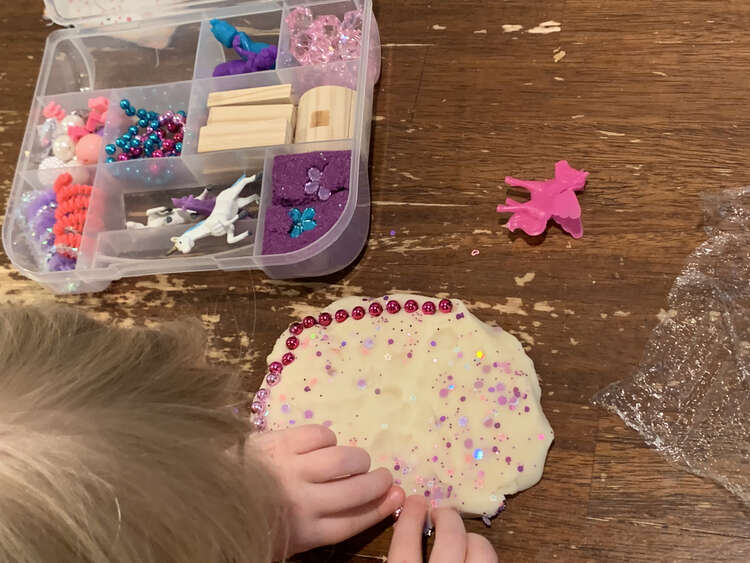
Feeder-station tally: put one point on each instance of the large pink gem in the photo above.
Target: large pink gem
(300, 47)
(350, 36)
(325, 32)
(298, 20)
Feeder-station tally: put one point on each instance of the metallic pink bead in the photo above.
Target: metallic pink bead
(392, 306)
(341, 316)
(273, 378)
(445, 306)
(309, 322)
(428, 308)
(275, 367)
(149, 130)
(161, 134)
(178, 137)
(158, 153)
(358, 313)
(375, 309)
(325, 32)
(168, 115)
(171, 127)
(298, 20)
(259, 423)
(411, 306)
(178, 120)
(138, 138)
(262, 394)
(296, 328)
(292, 343)
(167, 145)
(256, 407)
(287, 358)
(123, 157)
(325, 319)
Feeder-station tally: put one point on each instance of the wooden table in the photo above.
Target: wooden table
(651, 97)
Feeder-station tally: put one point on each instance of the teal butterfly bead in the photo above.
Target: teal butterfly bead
(302, 221)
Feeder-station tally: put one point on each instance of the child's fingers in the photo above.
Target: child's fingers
(308, 438)
(327, 464)
(479, 550)
(351, 492)
(341, 526)
(450, 537)
(406, 544)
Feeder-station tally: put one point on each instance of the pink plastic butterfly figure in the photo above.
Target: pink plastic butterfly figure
(551, 199)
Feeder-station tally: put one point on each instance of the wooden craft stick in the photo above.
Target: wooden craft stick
(226, 114)
(280, 94)
(325, 113)
(227, 136)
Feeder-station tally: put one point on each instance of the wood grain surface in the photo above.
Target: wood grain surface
(650, 97)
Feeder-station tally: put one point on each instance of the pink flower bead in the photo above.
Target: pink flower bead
(411, 306)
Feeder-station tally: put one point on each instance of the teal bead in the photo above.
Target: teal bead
(110, 160)
(154, 124)
(182, 113)
(125, 103)
(142, 123)
(126, 137)
(178, 147)
(133, 130)
(153, 115)
(110, 149)
(120, 142)
(142, 113)
(130, 112)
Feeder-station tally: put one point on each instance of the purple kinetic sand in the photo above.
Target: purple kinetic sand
(289, 175)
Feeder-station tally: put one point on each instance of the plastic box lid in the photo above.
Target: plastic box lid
(96, 13)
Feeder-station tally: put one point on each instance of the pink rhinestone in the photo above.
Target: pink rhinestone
(358, 313)
(341, 316)
(428, 308)
(287, 358)
(300, 47)
(256, 407)
(309, 322)
(324, 32)
(298, 20)
(411, 306)
(351, 35)
(273, 378)
(292, 342)
(262, 394)
(275, 367)
(325, 319)
(296, 328)
(376, 309)
(259, 422)
(393, 307)
(445, 305)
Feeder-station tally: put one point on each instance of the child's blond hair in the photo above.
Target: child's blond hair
(113, 447)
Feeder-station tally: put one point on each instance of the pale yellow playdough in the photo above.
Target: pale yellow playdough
(448, 403)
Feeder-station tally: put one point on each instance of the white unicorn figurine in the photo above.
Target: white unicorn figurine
(222, 219)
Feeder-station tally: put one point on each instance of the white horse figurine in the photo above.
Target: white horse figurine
(165, 216)
(222, 219)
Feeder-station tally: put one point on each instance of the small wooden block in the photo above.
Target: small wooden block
(229, 114)
(227, 136)
(325, 113)
(280, 94)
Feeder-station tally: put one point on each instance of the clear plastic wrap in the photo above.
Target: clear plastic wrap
(690, 397)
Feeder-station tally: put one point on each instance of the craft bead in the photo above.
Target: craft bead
(63, 148)
(296, 328)
(393, 306)
(428, 308)
(445, 305)
(358, 313)
(411, 306)
(287, 358)
(309, 322)
(324, 319)
(375, 309)
(341, 316)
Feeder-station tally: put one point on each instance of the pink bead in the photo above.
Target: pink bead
(136, 151)
(167, 145)
(287, 358)
(169, 115)
(299, 47)
(296, 328)
(350, 38)
(358, 313)
(275, 367)
(445, 306)
(161, 134)
(157, 153)
(262, 394)
(325, 319)
(256, 407)
(123, 157)
(428, 308)
(325, 32)
(375, 310)
(178, 120)
(392, 307)
(149, 130)
(411, 306)
(309, 322)
(273, 378)
(298, 19)
(292, 342)
(178, 137)
(341, 316)
(171, 127)
(259, 423)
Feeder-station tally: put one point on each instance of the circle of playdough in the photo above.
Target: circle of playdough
(63, 148)
(87, 149)
(448, 403)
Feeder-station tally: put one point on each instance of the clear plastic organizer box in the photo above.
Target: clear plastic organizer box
(164, 62)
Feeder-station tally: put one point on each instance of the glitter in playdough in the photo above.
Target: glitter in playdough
(406, 410)
(520, 468)
(480, 354)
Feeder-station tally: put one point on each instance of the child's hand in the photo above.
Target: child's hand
(452, 543)
(331, 495)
